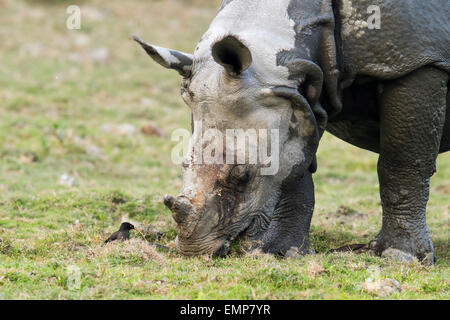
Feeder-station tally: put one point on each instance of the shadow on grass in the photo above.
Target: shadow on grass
(324, 240)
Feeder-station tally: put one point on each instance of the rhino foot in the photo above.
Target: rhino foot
(423, 254)
(398, 256)
(295, 252)
(377, 248)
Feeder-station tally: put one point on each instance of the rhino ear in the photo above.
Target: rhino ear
(232, 54)
(171, 59)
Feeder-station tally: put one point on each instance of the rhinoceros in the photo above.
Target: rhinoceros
(302, 67)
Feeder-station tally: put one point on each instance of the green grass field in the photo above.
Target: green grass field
(74, 102)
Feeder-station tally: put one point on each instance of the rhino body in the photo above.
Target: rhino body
(303, 67)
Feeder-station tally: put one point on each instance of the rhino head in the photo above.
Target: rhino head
(232, 89)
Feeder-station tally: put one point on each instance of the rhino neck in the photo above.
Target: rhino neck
(317, 38)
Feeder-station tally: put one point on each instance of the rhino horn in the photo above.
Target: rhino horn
(180, 207)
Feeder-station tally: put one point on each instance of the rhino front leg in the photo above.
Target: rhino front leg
(290, 224)
(412, 115)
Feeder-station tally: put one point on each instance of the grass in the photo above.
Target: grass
(64, 97)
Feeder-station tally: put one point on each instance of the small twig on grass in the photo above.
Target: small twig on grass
(143, 236)
(162, 247)
(156, 245)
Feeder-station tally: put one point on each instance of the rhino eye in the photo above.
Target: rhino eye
(303, 88)
(184, 86)
(185, 89)
(239, 173)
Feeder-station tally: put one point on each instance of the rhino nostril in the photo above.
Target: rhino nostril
(185, 164)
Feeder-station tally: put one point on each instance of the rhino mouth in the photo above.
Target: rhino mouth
(212, 244)
(201, 246)
(255, 226)
(224, 249)
(217, 242)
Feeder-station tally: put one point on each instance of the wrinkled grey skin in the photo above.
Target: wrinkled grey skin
(304, 67)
